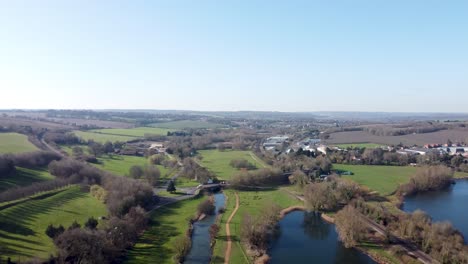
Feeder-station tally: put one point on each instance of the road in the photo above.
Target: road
(409, 247)
(50, 147)
(227, 254)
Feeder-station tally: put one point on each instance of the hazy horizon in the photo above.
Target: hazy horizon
(360, 56)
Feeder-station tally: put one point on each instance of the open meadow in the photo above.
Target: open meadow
(102, 138)
(15, 143)
(382, 179)
(133, 132)
(23, 223)
(218, 161)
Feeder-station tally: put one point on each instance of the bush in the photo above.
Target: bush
(99, 193)
(428, 179)
(91, 223)
(53, 232)
(206, 207)
(242, 164)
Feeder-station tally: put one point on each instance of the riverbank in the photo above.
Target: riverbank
(201, 236)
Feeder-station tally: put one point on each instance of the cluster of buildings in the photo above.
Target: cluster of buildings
(450, 149)
(275, 143)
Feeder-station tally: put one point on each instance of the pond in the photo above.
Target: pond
(306, 238)
(449, 204)
(200, 252)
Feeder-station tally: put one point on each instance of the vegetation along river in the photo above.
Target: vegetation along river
(306, 238)
(200, 252)
(450, 204)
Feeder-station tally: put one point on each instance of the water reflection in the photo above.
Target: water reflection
(306, 238)
(315, 227)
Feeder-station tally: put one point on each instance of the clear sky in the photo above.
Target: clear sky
(310, 55)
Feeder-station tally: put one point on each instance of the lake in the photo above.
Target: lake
(306, 238)
(449, 204)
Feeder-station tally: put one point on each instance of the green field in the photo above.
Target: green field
(102, 138)
(383, 179)
(15, 143)
(23, 224)
(181, 124)
(460, 175)
(133, 132)
(167, 223)
(358, 145)
(251, 203)
(218, 161)
(121, 164)
(24, 177)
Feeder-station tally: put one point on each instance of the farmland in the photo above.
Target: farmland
(23, 224)
(358, 145)
(133, 132)
(99, 137)
(24, 177)
(181, 124)
(15, 143)
(412, 139)
(383, 179)
(218, 161)
(167, 223)
(251, 202)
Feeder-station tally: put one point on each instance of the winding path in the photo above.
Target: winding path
(227, 255)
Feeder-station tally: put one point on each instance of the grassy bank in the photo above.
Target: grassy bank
(251, 202)
(24, 177)
(23, 225)
(167, 223)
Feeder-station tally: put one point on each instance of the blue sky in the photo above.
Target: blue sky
(235, 55)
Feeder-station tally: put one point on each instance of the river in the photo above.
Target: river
(444, 205)
(306, 238)
(200, 252)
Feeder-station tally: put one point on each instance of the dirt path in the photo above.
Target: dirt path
(227, 255)
(257, 160)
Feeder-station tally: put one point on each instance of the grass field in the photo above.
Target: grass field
(23, 225)
(358, 145)
(133, 132)
(251, 203)
(102, 138)
(383, 179)
(218, 161)
(121, 164)
(167, 223)
(15, 143)
(460, 175)
(181, 124)
(24, 177)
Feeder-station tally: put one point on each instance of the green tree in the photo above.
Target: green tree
(91, 223)
(171, 187)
